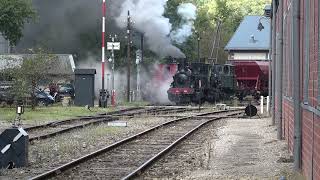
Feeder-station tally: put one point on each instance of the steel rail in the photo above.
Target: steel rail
(152, 160)
(67, 166)
(155, 110)
(49, 135)
(97, 120)
(103, 115)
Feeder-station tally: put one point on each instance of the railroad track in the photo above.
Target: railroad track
(54, 123)
(156, 111)
(60, 127)
(129, 157)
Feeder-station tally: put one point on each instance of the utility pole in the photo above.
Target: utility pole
(198, 39)
(216, 38)
(199, 48)
(128, 55)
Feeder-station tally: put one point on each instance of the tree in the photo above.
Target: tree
(228, 12)
(13, 16)
(28, 74)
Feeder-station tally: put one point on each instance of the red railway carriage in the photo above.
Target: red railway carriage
(252, 77)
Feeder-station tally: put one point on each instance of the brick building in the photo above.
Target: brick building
(296, 72)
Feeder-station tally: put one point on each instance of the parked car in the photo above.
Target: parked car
(44, 98)
(66, 90)
(5, 92)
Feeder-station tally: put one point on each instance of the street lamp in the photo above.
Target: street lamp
(260, 25)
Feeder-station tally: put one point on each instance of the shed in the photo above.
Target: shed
(61, 70)
(84, 87)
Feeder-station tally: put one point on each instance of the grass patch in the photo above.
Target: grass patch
(41, 114)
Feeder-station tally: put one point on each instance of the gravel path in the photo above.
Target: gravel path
(228, 149)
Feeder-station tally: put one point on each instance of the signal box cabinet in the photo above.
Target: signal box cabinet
(84, 87)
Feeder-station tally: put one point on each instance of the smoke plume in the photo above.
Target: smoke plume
(148, 18)
(188, 13)
(75, 26)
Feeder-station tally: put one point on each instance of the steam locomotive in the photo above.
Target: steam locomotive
(200, 82)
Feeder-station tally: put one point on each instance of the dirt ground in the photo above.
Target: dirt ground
(228, 149)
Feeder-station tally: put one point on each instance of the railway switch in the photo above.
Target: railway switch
(14, 148)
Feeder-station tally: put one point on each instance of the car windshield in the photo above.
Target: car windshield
(65, 88)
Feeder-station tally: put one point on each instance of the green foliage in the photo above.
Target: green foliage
(13, 15)
(228, 12)
(29, 73)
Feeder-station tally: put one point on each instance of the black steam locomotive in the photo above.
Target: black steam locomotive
(200, 82)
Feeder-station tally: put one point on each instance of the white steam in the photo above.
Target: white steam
(188, 13)
(147, 17)
(157, 87)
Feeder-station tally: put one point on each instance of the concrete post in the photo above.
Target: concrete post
(268, 104)
(261, 104)
(280, 70)
(273, 60)
(296, 84)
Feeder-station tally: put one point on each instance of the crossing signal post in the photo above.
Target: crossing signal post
(112, 46)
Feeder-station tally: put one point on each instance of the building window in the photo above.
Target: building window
(306, 53)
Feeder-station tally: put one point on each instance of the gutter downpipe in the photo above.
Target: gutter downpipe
(270, 65)
(280, 70)
(296, 84)
(273, 59)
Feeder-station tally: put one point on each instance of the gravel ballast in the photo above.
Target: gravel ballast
(53, 152)
(227, 149)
